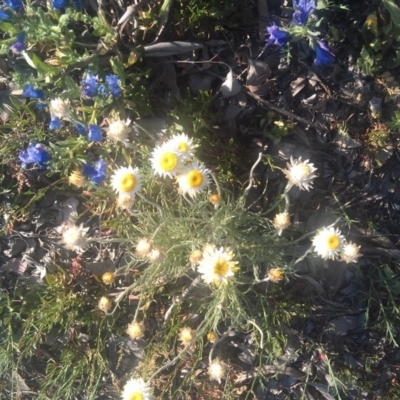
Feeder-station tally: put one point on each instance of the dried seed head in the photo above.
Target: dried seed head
(275, 275)
(135, 330)
(104, 304)
(108, 278)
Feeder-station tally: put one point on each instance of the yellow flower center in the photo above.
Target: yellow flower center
(333, 242)
(128, 183)
(221, 268)
(168, 161)
(215, 199)
(195, 179)
(301, 171)
(136, 396)
(183, 147)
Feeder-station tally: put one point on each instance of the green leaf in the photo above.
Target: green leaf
(393, 9)
(42, 68)
(118, 69)
(73, 89)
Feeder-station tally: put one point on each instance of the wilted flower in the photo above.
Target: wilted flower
(30, 91)
(118, 130)
(217, 266)
(108, 278)
(212, 336)
(323, 54)
(15, 5)
(58, 4)
(97, 172)
(55, 123)
(135, 330)
(137, 389)
(35, 154)
(143, 247)
(275, 275)
(300, 173)
(104, 304)
(277, 36)
(281, 221)
(126, 181)
(187, 335)
(328, 243)
(350, 253)
(59, 108)
(155, 255)
(193, 179)
(217, 370)
(303, 9)
(166, 161)
(18, 46)
(195, 256)
(94, 133)
(113, 83)
(125, 201)
(76, 178)
(89, 84)
(73, 238)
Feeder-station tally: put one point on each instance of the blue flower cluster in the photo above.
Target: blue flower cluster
(96, 172)
(18, 46)
(91, 87)
(279, 37)
(93, 132)
(35, 154)
(30, 91)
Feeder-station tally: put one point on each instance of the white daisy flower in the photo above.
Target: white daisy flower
(126, 181)
(118, 130)
(217, 266)
(73, 237)
(193, 179)
(137, 389)
(59, 108)
(166, 161)
(281, 221)
(350, 253)
(184, 144)
(300, 173)
(217, 370)
(328, 243)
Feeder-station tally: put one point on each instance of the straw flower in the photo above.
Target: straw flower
(187, 335)
(217, 266)
(137, 389)
(108, 278)
(195, 256)
(126, 181)
(76, 178)
(183, 144)
(212, 336)
(350, 253)
(193, 179)
(143, 247)
(275, 275)
(166, 161)
(217, 370)
(118, 130)
(73, 237)
(328, 243)
(281, 221)
(135, 330)
(104, 304)
(215, 199)
(300, 173)
(125, 201)
(59, 108)
(155, 255)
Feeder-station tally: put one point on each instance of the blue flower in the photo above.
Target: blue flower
(113, 84)
(18, 46)
(90, 86)
(97, 172)
(30, 91)
(35, 154)
(81, 129)
(77, 4)
(103, 91)
(3, 14)
(94, 133)
(15, 5)
(58, 4)
(277, 36)
(55, 123)
(41, 106)
(303, 10)
(323, 54)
